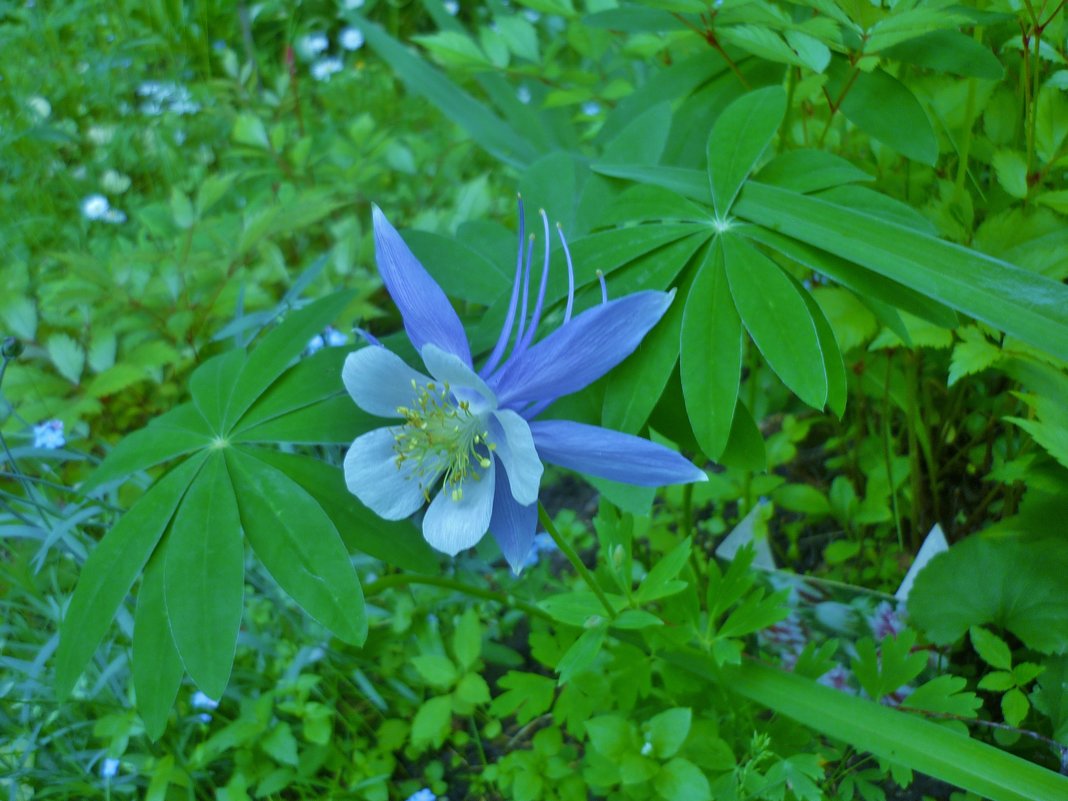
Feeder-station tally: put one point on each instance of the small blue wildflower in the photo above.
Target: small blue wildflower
(95, 207)
(325, 68)
(313, 44)
(49, 435)
(471, 439)
(422, 795)
(109, 768)
(351, 39)
(200, 700)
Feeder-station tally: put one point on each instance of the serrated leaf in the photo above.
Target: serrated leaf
(741, 134)
(281, 745)
(467, 640)
(111, 569)
(299, 545)
(973, 354)
(249, 130)
(20, 317)
(436, 670)
(998, 681)
(527, 695)
(431, 724)
(157, 668)
(991, 648)
(659, 581)
(204, 574)
(1014, 706)
(581, 654)
(944, 694)
(67, 356)
(1051, 696)
(1010, 166)
(472, 689)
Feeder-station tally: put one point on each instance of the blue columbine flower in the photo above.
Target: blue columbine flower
(468, 442)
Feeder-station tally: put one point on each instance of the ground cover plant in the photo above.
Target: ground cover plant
(281, 348)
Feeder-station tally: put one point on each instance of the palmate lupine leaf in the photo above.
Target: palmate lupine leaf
(738, 140)
(1024, 304)
(157, 666)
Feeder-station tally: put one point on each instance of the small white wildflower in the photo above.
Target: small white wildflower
(324, 68)
(523, 94)
(591, 108)
(647, 748)
(200, 700)
(39, 107)
(115, 216)
(100, 135)
(114, 182)
(334, 338)
(315, 344)
(109, 767)
(351, 38)
(424, 794)
(452, 6)
(95, 207)
(49, 435)
(314, 44)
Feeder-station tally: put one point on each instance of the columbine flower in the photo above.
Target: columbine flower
(49, 435)
(324, 68)
(95, 207)
(351, 39)
(468, 442)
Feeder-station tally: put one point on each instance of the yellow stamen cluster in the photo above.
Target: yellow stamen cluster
(440, 435)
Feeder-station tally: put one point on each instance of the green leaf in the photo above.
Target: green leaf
(1014, 706)
(526, 695)
(334, 421)
(437, 670)
(1051, 696)
(212, 384)
(745, 445)
(67, 355)
(472, 689)
(668, 730)
(579, 608)
(684, 181)
(948, 51)
(432, 723)
(680, 778)
(281, 745)
(881, 106)
(463, 272)
(1029, 306)
(177, 432)
(943, 694)
(991, 648)
(893, 665)
(274, 353)
(397, 543)
(1011, 169)
(777, 318)
(810, 171)
(832, 355)
(973, 354)
(710, 360)
(611, 735)
(582, 653)
(467, 640)
(998, 681)
(1006, 582)
(157, 668)
(740, 136)
(111, 569)
(660, 581)
(299, 545)
(249, 130)
(204, 577)
(182, 210)
(651, 366)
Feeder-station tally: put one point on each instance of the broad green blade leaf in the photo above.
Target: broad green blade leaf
(486, 128)
(810, 171)
(949, 51)
(310, 381)
(649, 203)
(777, 319)
(902, 738)
(397, 543)
(881, 106)
(111, 569)
(204, 577)
(157, 668)
(739, 138)
(212, 384)
(334, 421)
(861, 198)
(644, 138)
(1005, 582)
(179, 431)
(745, 445)
(276, 350)
(636, 385)
(550, 183)
(681, 180)
(866, 284)
(1029, 306)
(299, 546)
(462, 272)
(711, 355)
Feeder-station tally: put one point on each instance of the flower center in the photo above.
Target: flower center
(441, 436)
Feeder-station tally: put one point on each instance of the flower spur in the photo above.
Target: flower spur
(468, 442)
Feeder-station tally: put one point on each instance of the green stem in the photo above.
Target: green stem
(404, 579)
(573, 558)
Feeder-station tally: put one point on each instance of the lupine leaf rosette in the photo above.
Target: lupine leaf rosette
(467, 441)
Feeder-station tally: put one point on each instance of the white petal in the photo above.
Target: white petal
(451, 526)
(379, 380)
(514, 446)
(372, 475)
(462, 380)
